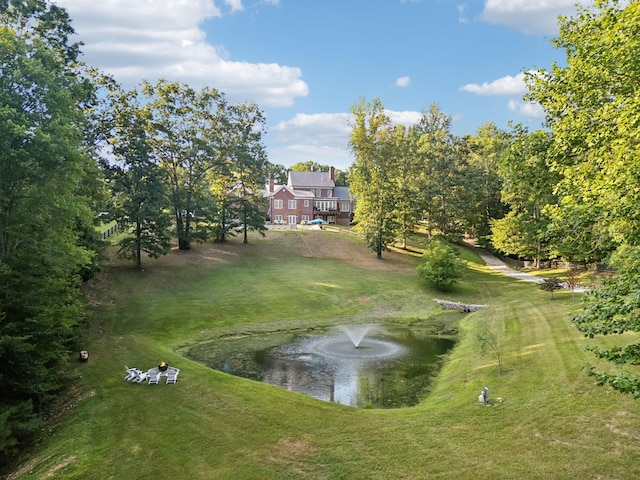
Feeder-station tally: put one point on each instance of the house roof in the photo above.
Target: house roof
(293, 191)
(343, 193)
(310, 180)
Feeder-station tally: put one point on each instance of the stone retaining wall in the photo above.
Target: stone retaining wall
(462, 307)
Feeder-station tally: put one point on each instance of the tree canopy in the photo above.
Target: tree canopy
(45, 210)
(592, 106)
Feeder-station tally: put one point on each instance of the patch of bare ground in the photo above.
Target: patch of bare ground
(348, 249)
(288, 451)
(27, 468)
(310, 244)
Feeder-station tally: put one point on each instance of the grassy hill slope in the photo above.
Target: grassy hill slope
(553, 423)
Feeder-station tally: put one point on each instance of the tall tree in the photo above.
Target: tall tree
(222, 183)
(482, 182)
(248, 167)
(441, 174)
(405, 180)
(276, 172)
(528, 186)
(139, 183)
(371, 175)
(43, 167)
(189, 139)
(591, 106)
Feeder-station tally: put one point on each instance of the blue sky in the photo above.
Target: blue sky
(306, 62)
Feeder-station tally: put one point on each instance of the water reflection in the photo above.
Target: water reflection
(392, 366)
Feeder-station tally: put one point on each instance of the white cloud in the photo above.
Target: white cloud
(321, 138)
(153, 39)
(235, 5)
(506, 85)
(526, 109)
(529, 16)
(402, 82)
(405, 117)
(315, 129)
(462, 17)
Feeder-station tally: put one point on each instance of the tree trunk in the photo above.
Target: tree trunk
(244, 225)
(184, 244)
(138, 247)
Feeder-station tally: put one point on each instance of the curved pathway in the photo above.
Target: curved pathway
(494, 263)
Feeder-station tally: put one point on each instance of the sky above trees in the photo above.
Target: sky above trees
(307, 63)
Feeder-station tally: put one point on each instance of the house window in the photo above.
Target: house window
(291, 205)
(305, 218)
(292, 219)
(278, 219)
(345, 207)
(306, 203)
(325, 205)
(318, 193)
(277, 203)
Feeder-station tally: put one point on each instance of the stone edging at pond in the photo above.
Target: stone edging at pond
(462, 307)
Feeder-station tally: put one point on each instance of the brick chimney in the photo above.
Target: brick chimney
(270, 185)
(332, 172)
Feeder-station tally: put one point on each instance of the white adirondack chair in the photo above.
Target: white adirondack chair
(141, 376)
(131, 373)
(172, 374)
(154, 376)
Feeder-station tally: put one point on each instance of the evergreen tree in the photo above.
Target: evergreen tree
(405, 181)
(482, 183)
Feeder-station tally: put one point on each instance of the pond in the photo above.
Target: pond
(375, 366)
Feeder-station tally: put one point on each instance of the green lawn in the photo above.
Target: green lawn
(553, 423)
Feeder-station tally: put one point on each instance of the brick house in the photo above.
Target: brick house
(308, 196)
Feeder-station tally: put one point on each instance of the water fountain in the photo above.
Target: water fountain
(355, 342)
(356, 332)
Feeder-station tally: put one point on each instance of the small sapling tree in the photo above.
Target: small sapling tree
(487, 341)
(571, 279)
(551, 284)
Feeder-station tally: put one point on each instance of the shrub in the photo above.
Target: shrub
(440, 267)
